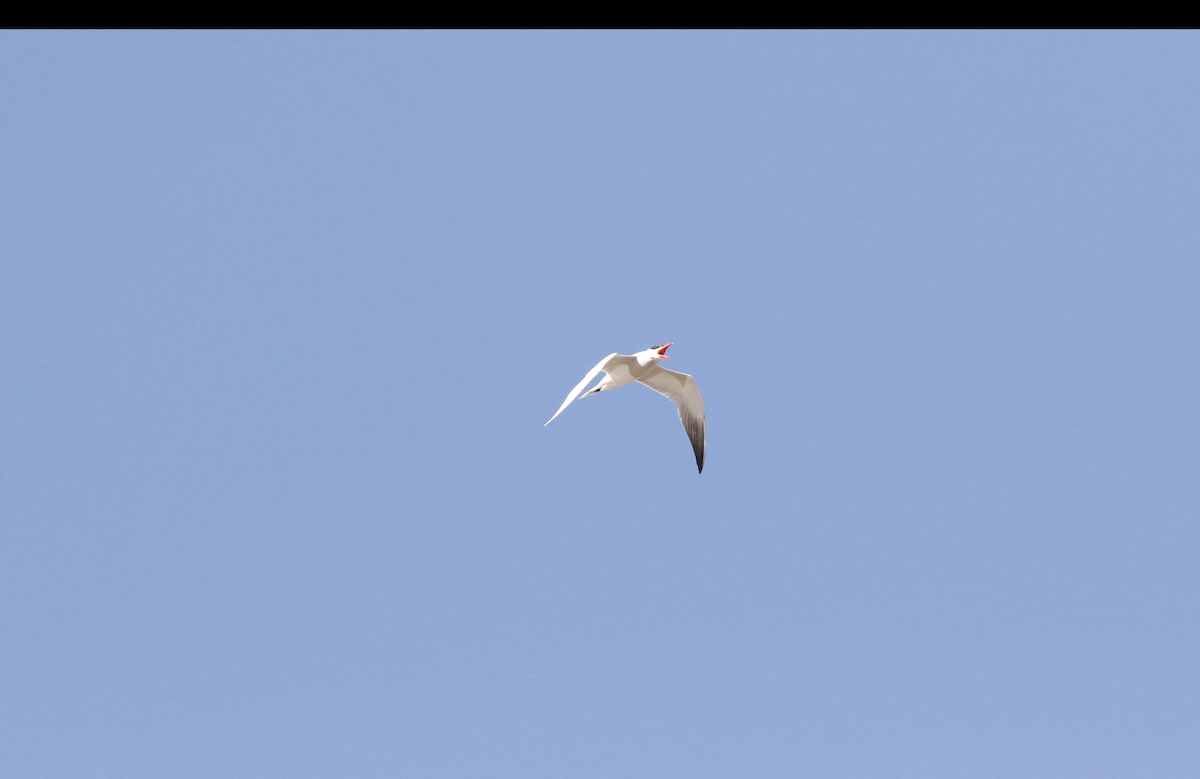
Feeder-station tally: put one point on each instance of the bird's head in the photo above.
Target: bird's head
(660, 351)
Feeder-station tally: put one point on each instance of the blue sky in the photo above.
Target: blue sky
(283, 315)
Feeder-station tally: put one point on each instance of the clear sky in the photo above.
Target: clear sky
(282, 316)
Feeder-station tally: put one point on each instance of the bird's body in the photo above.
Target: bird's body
(643, 367)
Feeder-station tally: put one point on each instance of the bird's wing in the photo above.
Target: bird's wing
(579, 387)
(683, 391)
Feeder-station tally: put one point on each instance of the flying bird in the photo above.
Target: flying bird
(680, 388)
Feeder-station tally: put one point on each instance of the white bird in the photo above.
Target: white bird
(622, 369)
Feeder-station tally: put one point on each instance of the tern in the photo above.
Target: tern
(680, 388)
